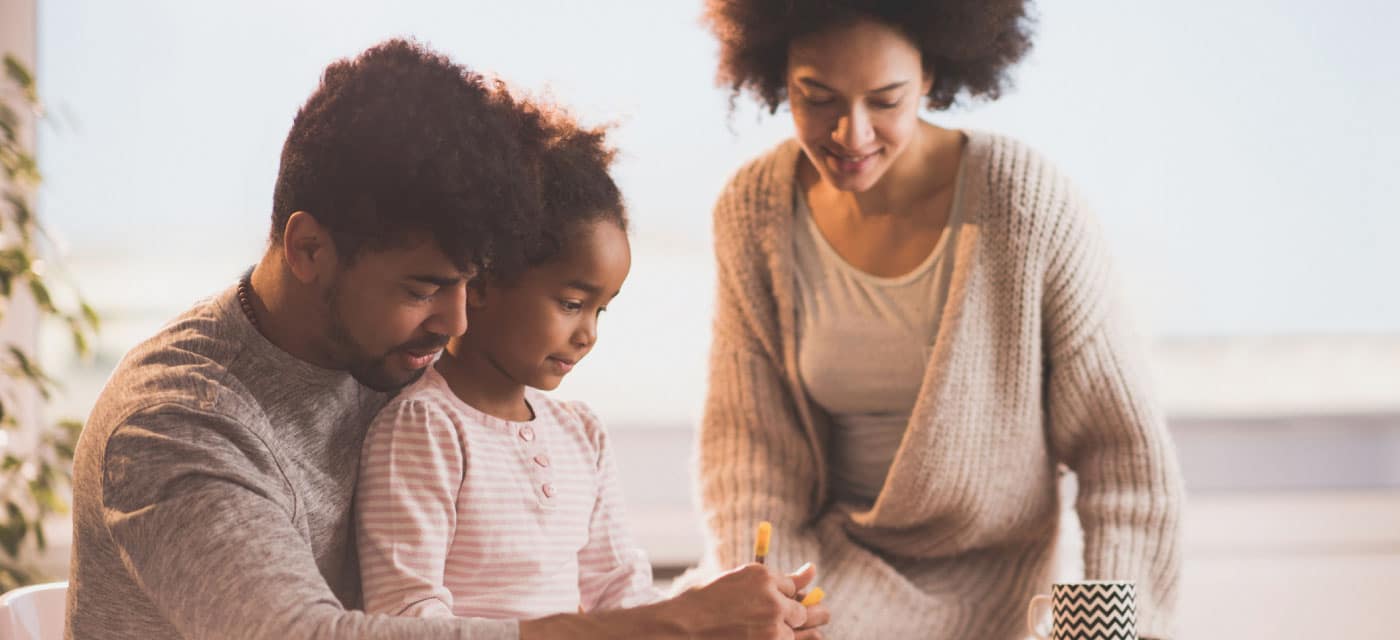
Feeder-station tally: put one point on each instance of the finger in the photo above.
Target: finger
(794, 614)
(808, 634)
(817, 615)
(784, 584)
(803, 576)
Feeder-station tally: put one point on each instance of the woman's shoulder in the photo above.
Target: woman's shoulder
(1015, 175)
(761, 181)
(1019, 190)
(755, 199)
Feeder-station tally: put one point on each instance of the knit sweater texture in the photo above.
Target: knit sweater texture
(1032, 367)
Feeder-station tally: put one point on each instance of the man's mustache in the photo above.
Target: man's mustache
(427, 343)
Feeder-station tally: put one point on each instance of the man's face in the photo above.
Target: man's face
(392, 311)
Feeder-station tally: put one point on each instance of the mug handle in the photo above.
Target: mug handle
(1032, 618)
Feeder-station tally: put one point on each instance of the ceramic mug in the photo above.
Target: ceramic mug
(1092, 610)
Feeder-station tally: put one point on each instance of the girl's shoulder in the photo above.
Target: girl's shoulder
(429, 390)
(575, 418)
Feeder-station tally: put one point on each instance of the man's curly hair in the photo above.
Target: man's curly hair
(968, 45)
(400, 143)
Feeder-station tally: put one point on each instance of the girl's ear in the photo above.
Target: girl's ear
(476, 295)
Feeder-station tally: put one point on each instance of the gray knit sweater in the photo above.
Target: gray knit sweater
(1031, 367)
(212, 489)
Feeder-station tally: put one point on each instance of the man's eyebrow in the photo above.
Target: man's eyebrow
(437, 281)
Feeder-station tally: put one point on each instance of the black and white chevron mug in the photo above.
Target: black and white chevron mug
(1093, 610)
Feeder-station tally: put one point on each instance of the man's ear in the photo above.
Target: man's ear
(308, 249)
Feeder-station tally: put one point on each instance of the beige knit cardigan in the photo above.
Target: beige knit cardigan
(1031, 367)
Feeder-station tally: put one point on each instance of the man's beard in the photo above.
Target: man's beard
(370, 370)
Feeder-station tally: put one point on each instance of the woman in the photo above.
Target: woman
(915, 327)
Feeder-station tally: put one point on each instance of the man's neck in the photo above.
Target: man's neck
(286, 314)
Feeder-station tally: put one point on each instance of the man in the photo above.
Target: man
(213, 480)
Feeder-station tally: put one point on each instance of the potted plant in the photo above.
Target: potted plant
(35, 458)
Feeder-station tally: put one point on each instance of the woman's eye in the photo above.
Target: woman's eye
(421, 297)
(818, 102)
(571, 305)
(884, 105)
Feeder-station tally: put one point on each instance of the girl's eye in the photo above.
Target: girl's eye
(817, 102)
(885, 105)
(571, 305)
(420, 297)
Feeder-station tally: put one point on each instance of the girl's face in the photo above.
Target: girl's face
(536, 329)
(855, 92)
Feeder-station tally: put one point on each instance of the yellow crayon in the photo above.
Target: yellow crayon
(814, 597)
(760, 543)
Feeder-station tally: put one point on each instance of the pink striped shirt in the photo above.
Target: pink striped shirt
(461, 513)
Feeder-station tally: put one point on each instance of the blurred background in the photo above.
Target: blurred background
(1242, 158)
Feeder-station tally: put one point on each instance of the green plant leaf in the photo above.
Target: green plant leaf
(31, 370)
(23, 215)
(80, 343)
(90, 314)
(14, 260)
(19, 73)
(41, 295)
(9, 124)
(12, 531)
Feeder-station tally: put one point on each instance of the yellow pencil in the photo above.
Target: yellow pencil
(813, 597)
(760, 543)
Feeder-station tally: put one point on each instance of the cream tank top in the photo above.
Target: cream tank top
(863, 342)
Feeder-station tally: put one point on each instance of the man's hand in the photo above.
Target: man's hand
(748, 603)
(752, 602)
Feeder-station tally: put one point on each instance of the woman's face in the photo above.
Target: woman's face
(855, 91)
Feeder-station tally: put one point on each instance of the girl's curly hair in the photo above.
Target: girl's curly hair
(576, 188)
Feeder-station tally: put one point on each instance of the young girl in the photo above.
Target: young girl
(479, 495)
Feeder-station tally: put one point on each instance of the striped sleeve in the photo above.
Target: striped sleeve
(614, 572)
(410, 473)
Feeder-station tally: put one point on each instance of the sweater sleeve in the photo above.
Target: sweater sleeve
(1105, 425)
(202, 516)
(613, 571)
(411, 470)
(756, 463)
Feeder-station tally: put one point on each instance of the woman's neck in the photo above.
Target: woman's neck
(481, 383)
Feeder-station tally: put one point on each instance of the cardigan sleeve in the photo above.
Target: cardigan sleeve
(757, 464)
(755, 461)
(1105, 425)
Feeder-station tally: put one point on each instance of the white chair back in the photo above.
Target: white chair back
(33, 613)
